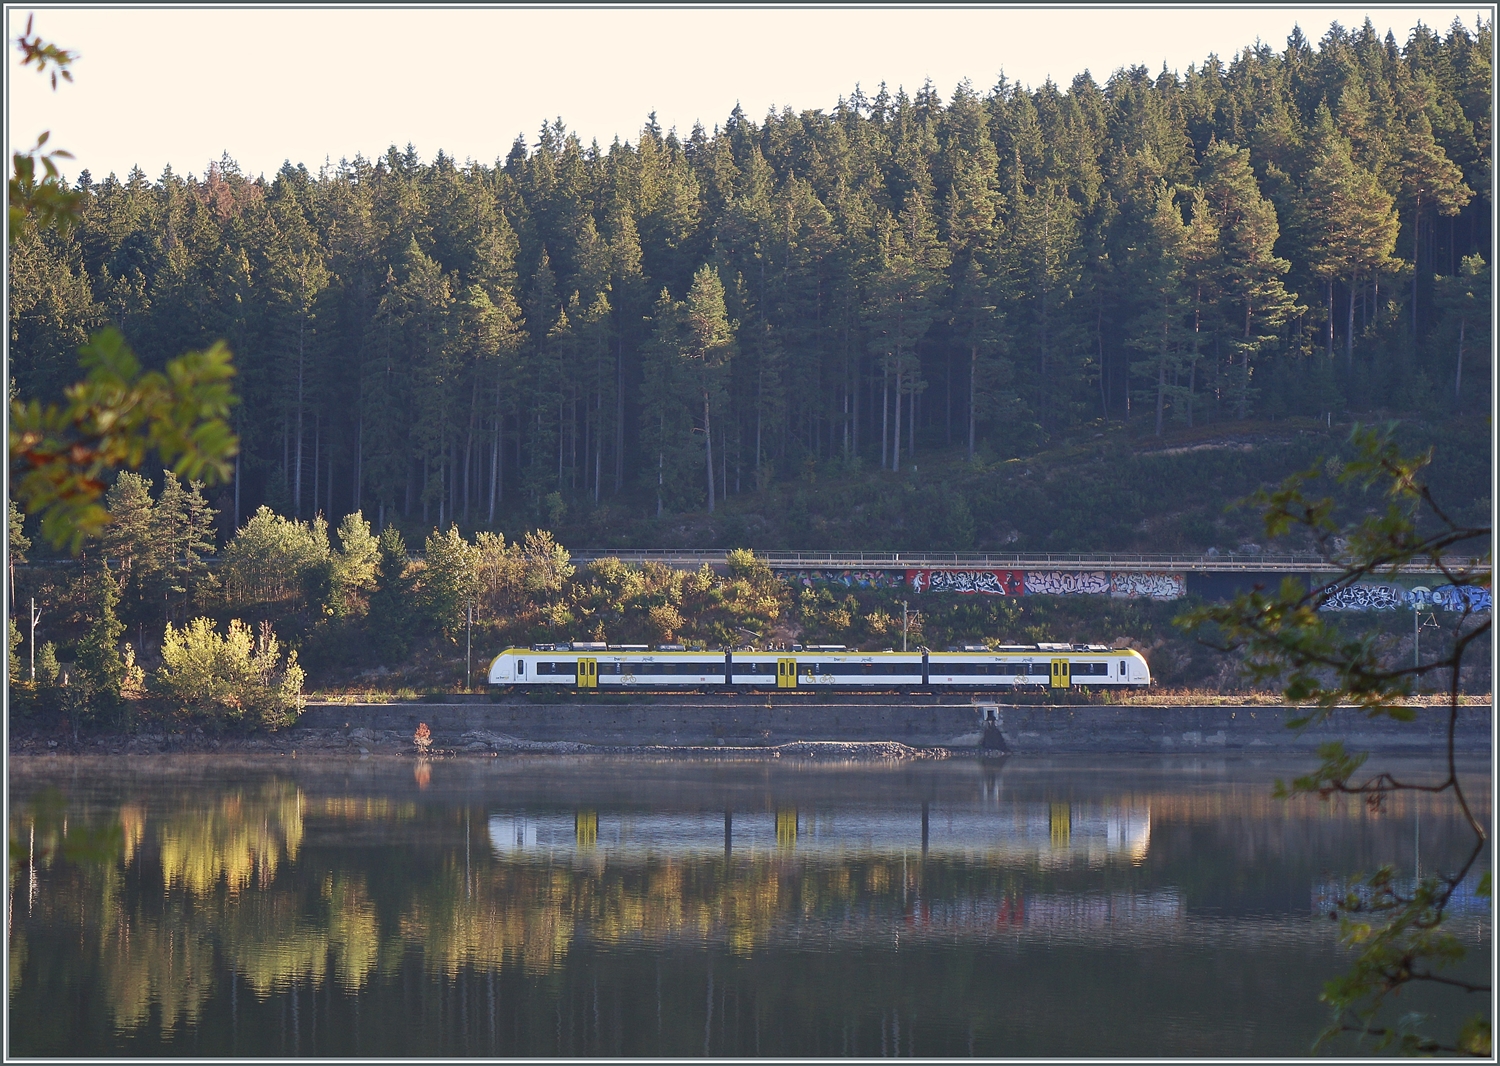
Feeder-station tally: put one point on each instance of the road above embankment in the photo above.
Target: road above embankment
(918, 721)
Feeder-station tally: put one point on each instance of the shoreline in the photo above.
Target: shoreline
(905, 730)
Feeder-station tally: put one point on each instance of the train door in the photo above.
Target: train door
(588, 673)
(786, 673)
(1062, 673)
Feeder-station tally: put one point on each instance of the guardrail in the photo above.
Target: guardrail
(1227, 562)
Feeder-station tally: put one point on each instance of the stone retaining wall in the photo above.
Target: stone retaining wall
(1025, 728)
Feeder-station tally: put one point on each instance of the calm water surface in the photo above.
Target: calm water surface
(541, 906)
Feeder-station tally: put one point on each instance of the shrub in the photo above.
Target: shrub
(449, 580)
(236, 679)
(276, 560)
(353, 568)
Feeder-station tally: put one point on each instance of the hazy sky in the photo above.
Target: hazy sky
(160, 86)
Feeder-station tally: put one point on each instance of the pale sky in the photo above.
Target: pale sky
(183, 86)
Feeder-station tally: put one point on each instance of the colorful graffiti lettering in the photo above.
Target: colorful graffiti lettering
(1067, 583)
(1461, 598)
(1378, 597)
(968, 582)
(1151, 586)
(850, 579)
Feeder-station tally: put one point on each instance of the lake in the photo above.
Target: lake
(541, 906)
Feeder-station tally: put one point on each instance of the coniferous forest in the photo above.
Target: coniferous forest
(752, 338)
(658, 326)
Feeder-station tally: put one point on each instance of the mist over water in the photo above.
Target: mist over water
(541, 906)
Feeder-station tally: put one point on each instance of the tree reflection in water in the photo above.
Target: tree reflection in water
(531, 913)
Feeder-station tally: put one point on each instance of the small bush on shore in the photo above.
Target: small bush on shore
(234, 680)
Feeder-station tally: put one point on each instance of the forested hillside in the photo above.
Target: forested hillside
(582, 338)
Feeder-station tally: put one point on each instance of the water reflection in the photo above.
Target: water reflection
(1042, 833)
(256, 912)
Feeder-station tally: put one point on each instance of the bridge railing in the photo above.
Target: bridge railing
(1289, 562)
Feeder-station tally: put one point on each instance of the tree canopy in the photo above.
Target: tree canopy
(671, 321)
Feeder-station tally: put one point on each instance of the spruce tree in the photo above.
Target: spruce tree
(1355, 224)
(1159, 332)
(1253, 301)
(100, 668)
(709, 349)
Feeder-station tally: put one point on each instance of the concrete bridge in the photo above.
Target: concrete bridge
(1211, 563)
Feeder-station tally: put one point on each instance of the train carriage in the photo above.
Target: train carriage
(597, 665)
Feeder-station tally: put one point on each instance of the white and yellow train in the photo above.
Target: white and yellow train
(596, 666)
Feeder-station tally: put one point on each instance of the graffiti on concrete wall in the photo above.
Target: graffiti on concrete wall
(1067, 583)
(1388, 597)
(968, 582)
(849, 579)
(1152, 586)
(1367, 597)
(1461, 597)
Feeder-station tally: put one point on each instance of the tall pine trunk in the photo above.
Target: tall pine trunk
(620, 414)
(469, 442)
(359, 463)
(297, 477)
(896, 438)
(708, 447)
(1458, 375)
(973, 382)
(885, 407)
(1330, 318)
(1245, 361)
(1416, 259)
(1349, 338)
(497, 454)
(1161, 368)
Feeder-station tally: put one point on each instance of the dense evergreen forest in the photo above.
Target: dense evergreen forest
(656, 327)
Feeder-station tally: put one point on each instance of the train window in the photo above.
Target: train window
(521, 666)
(1124, 667)
(1023, 669)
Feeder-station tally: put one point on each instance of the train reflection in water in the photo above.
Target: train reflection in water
(1047, 833)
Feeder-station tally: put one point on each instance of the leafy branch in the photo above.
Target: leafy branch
(1285, 638)
(46, 202)
(60, 453)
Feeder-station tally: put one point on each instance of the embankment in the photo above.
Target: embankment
(917, 721)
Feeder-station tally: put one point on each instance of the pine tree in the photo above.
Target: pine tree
(389, 620)
(183, 529)
(100, 668)
(1159, 330)
(1467, 299)
(1253, 302)
(1355, 223)
(978, 325)
(709, 349)
(666, 419)
(1429, 183)
(1044, 272)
